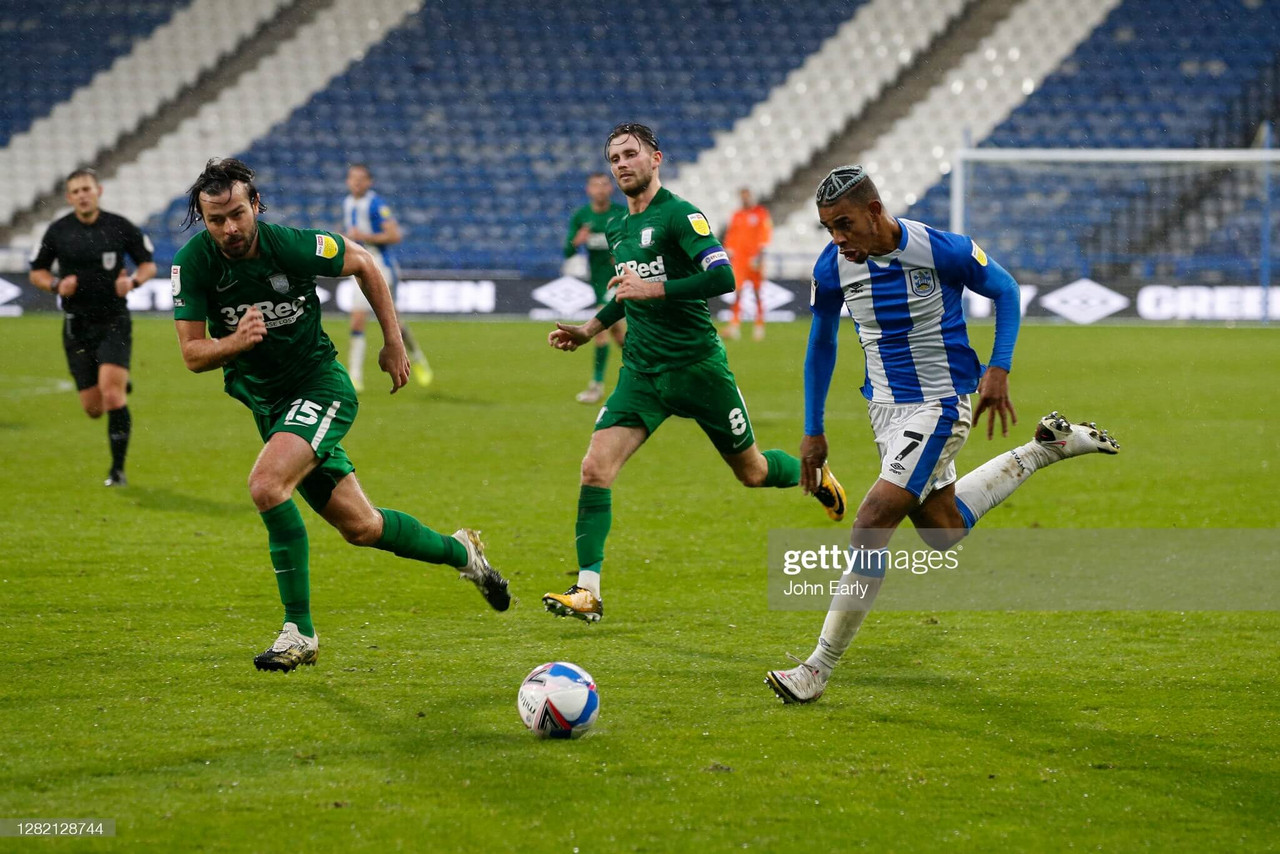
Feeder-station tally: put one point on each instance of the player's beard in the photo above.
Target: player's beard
(241, 247)
(638, 189)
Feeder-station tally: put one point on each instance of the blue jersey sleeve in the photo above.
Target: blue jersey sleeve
(826, 300)
(961, 260)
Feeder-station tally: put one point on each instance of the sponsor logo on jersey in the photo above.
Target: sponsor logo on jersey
(597, 240)
(813, 292)
(700, 225)
(175, 279)
(978, 254)
(652, 271)
(108, 260)
(646, 237)
(274, 313)
(326, 246)
(923, 282)
(280, 282)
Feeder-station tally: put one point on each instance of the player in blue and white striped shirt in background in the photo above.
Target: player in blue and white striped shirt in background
(902, 282)
(367, 219)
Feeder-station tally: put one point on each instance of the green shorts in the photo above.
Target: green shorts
(704, 391)
(321, 411)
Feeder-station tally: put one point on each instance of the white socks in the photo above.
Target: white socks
(589, 579)
(848, 609)
(995, 480)
(355, 361)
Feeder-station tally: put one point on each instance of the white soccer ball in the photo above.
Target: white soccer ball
(558, 700)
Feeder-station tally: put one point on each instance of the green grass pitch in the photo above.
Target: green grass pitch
(130, 616)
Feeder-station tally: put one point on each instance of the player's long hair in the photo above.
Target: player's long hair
(219, 174)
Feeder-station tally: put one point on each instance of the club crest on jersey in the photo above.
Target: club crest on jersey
(923, 282)
(646, 237)
(700, 225)
(280, 282)
(326, 246)
(108, 260)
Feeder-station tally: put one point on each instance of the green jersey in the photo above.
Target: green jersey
(670, 239)
(281, 282)
(599, 257)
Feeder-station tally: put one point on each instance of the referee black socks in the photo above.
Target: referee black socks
(118, 426)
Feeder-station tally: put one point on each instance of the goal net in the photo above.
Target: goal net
(1162, 234)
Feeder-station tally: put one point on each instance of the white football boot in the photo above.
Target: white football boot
(802, 684)
(290, 649)
(493, 587)
(1063, 439)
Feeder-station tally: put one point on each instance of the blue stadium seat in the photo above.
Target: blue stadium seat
(480, 120)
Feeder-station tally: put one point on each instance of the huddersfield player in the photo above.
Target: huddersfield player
(89, 246)
(902, 281)
(587, 228)
(367, 220)
(254, 285)
(673, 363)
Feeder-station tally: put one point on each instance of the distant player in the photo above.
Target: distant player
(902, 282)
(367, 220)
(254, 285)
(89, 246)
(587, 228)
(668, 265)
(749, 233)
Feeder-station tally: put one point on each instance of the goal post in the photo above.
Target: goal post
(1180, 233)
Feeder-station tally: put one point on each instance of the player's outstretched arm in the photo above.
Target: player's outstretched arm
(993, 390)
(392, 359)
(819, 367)
(201, 353)
(568, 337)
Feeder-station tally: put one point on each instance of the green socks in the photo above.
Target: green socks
(595, 515)
(602, 358)
(290, 555)
(784, 469)
(405, 536)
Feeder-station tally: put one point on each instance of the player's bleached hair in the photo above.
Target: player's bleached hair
(644, 133)
(843, 180)
(218, 177)
(83, 172)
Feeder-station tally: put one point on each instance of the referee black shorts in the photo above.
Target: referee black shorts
(94, 341)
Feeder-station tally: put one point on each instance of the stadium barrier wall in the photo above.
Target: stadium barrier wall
(1083, 301)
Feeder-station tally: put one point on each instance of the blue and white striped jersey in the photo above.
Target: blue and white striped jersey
(367, 213)
(907, 309)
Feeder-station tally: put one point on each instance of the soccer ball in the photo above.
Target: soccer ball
(558, 700)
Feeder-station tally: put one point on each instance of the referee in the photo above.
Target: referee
(89, 245)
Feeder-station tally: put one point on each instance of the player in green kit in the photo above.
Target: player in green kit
(254, 285)
(587, 228)
(667, 265)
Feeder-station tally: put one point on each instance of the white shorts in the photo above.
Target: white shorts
(355, 298)
(918, 442)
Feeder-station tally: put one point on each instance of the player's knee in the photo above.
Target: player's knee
(596, 472)
(93, 410)
(364, 531)
(112, 400)
(751, 476)
(266, 491)
(942, 539)
(873, 513)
